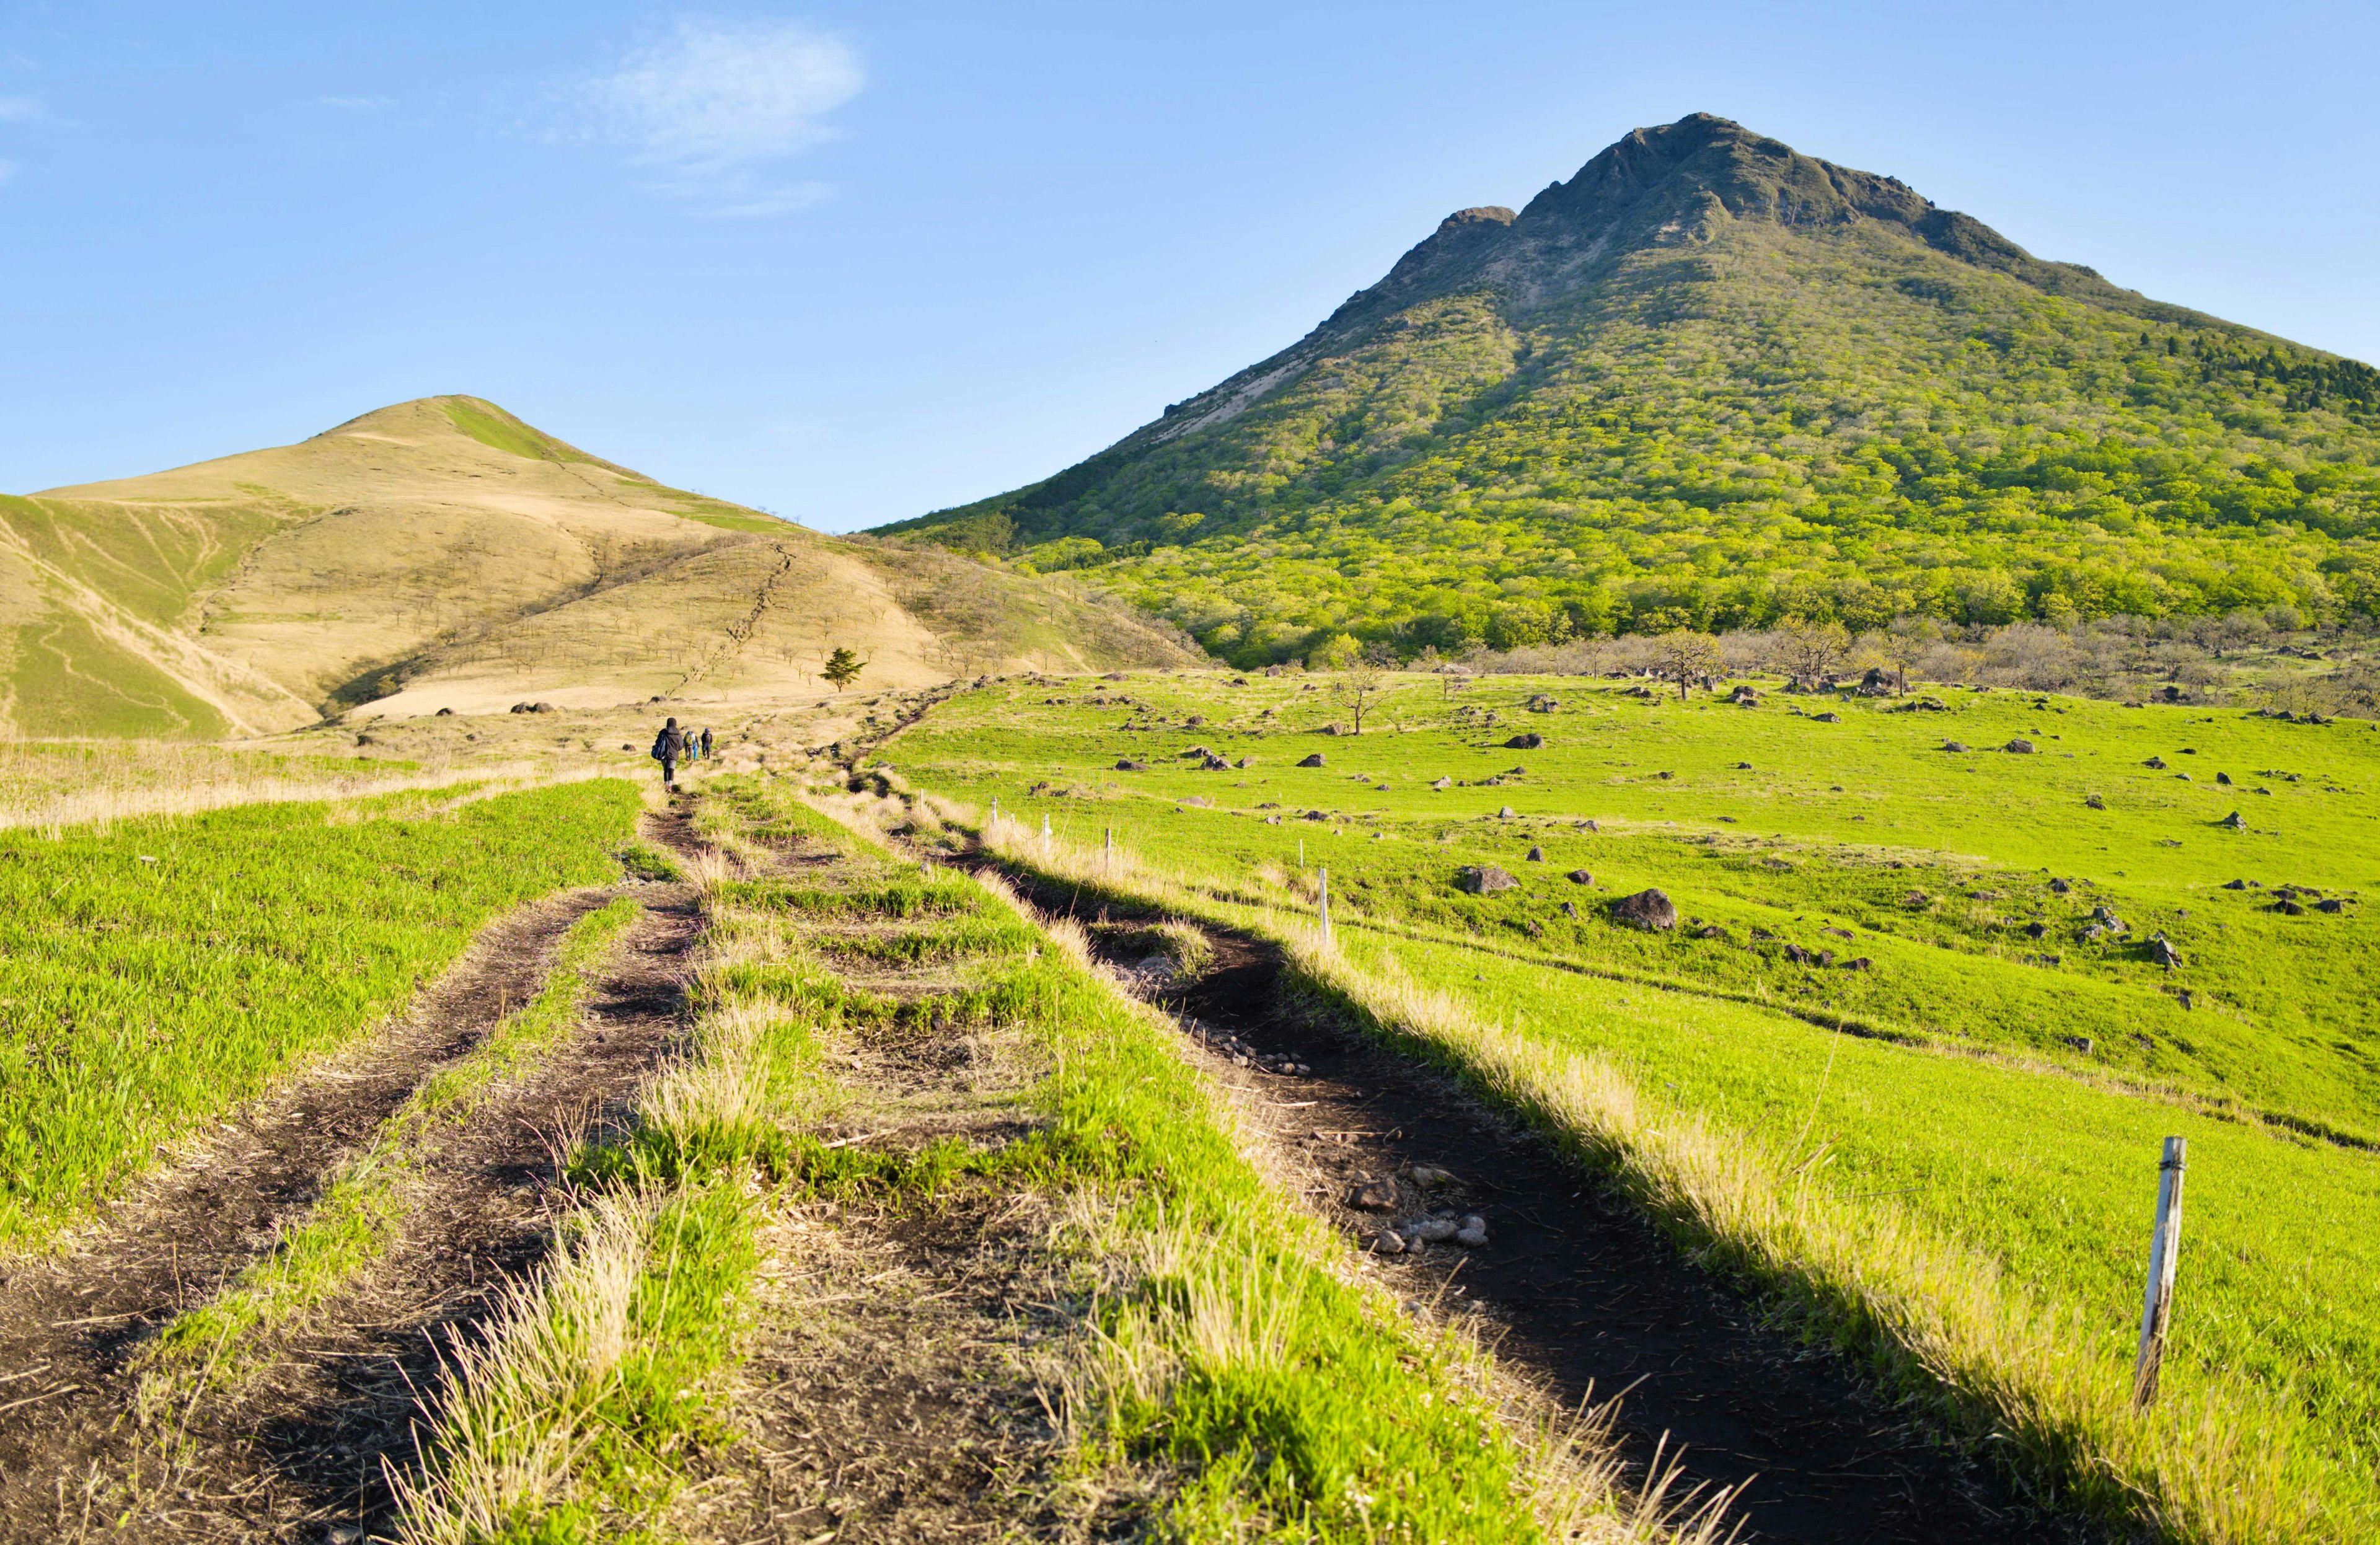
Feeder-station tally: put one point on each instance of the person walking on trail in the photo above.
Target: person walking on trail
(669, 750)
(706, 741)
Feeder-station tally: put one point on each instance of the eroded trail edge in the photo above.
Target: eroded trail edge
(1573, 1286)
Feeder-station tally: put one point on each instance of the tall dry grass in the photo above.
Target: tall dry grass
(51, 786)
(2216, 1462)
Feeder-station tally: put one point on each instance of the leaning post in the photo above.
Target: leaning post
(2165, 1251)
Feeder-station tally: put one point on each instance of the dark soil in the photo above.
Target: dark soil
(1584, 1296)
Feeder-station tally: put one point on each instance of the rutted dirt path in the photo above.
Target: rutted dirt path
(894, 1388)
(299, 1446)
(1574, 1288)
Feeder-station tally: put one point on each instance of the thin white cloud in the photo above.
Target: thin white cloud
(7, 171)
(21, 108)
(357, 104)
(716, 106)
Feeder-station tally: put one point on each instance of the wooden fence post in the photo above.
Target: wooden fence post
(1326, 905)
(2165, 1251)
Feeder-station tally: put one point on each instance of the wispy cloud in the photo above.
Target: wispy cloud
(357, 104)
(716, 109)
(21, 109)
(7, 171)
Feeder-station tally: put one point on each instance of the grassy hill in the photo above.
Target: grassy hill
(443, 553)
(1711, 381)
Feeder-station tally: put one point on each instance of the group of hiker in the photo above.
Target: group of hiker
(673, 746)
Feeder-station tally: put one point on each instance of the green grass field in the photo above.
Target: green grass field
(1947, 1082)
(163, 971)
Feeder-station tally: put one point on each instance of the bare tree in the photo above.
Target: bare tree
(1685, 657)
(1812, 651)
(1362, 681)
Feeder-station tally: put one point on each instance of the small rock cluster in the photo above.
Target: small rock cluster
(1241, 1055)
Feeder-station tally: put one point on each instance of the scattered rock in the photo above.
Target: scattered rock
(1484, 879)
(1376, 1195)
(2223, 778)
(2331, 904)
(1200, 801)
(1743, 767)
(2154, 764)
(1246, 761)
(1313, 761)
(2036, 930)
(1443, 784)
(1570, 909)
(2093, 802)
(1431, 1175)
(2161, 950)
(1530, 742)
(1954, 744)
(2234, 822)
(1129, 765)
(1387, 1242)
(1827, 718)
(1536, 856)
(1505, 812)
(1315, 815)
(1650, 910)
(1430, 1230)
(2286, 908)
(2237, 884)
(1580, 877)
(1711, 930)
(2082, 1043)
(443, 713)
(2018, 748)
(1859, 962)
(1474, 1231)
(2059, 887)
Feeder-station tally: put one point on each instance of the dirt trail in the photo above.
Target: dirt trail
(299, 1446)
(1575, 1287)
(891, 1392)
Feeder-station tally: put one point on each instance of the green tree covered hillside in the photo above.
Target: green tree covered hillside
(1711, 381)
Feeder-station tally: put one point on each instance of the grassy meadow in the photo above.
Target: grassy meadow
(161, 971)
(1998, 1076)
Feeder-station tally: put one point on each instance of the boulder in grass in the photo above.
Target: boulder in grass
(2161, 950)
(1482, 879)
(1376, 1195)
(1530, 742)
(2154, 764)
(2020, 748)
(1129, 765)
(1199, 802)
(1650, 910)
(1313, 761)
(1954, 744)
(1443, 784)
(2235, 821)
(2093, 802)
(1827, 718)
(2235, 884)
(1580, 877)
(1537, 854)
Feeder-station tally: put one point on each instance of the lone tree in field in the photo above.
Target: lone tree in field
(1812, 651)
(843, 668)
(1362, 681)
(1685, 657)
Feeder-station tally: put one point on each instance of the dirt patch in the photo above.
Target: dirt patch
(892, 1390)
(1574, 1288)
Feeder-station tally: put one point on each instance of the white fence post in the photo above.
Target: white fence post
(2165, 1252)
(1326, 905)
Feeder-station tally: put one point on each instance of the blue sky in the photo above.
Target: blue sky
(851, 262)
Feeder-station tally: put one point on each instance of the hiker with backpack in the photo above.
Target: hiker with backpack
(669, 747)
(706, 740)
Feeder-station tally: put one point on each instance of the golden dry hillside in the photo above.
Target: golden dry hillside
(443, 553)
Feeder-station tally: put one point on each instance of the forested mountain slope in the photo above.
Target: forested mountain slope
(1712, 380)
(443, 553)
